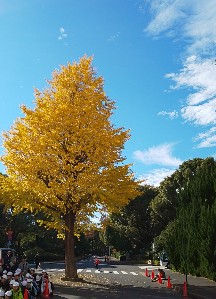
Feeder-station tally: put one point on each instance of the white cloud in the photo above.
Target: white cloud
(193, 20)
(204, 114)
(194, 23)
(165, 15)
(171, 115)
(198, 74)
(207, 139)
(156, 176)
(200, 27)
(161, 155)
(62, 35)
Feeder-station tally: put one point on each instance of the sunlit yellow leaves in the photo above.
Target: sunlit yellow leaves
(65, 154)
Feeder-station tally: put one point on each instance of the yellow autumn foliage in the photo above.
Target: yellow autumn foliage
(64, 154)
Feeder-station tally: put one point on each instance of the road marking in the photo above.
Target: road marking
(124, 272)
(97, 271)
(115, 272)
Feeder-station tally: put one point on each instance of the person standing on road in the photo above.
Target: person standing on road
(32, 272)
(4, 283)
(8, 294)
(96, 263)
(32, 291)
(24, 265)
(18, 276)
(47, 288)
(2, 294)
(9, 276)
(16, 291)
(38, 283)
(7, 261)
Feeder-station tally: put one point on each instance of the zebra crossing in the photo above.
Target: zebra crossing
(101, 271)
(93, 271)
(141, 270)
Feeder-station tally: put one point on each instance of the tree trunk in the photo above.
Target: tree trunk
(70, 263)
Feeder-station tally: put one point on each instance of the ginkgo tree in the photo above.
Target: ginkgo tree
(65, 155)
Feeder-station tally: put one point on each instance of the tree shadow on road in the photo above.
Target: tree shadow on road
(195, 291)
(112, 292)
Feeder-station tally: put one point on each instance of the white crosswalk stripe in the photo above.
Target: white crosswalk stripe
(124, 272)
(115, 272)
(96, 271)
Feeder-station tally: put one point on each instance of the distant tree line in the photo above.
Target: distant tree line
(178, 217)
(28, 237)
(22, 232)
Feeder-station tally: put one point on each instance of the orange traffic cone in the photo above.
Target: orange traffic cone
(146, 273)
(26, 294)
(152, 275)
(185, 289)
(46, 291)
(169, 285)
(160, 278)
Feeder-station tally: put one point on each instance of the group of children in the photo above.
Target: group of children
(25, 285)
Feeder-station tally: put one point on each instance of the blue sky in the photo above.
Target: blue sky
(158, 60)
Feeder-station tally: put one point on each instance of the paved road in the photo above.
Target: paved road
(116, 273)
(125, 281)
(129, 281)
(122, 292)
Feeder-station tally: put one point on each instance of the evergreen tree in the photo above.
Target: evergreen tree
(193, 236)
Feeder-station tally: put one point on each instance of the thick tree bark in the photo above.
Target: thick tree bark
(70, 263)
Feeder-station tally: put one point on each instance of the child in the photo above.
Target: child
(8, 295)
(38, 282)
(32, 292)
(23, 286)
(11, 284)
(4, 283)
(2, 294)
(46, 288)
(17, 292)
